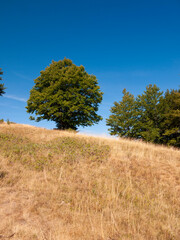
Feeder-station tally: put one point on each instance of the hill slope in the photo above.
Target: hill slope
(60, 185)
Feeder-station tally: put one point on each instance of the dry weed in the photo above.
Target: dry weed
(59, 185)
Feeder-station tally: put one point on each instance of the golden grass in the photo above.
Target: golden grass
(59, 185)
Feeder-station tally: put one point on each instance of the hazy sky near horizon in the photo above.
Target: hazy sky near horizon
(125, 44)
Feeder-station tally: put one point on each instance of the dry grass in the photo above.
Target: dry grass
(59, 185)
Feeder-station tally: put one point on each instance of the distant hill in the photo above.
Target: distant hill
(62, 185)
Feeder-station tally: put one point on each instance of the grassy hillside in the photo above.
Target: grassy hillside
(59, 185)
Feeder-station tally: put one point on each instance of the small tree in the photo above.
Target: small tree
(66, 94)
(123, 115)
(2, 88)
(149, 114)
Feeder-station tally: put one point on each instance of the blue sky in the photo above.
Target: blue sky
(125, 44)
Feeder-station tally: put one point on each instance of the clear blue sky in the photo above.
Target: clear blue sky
(126, 44)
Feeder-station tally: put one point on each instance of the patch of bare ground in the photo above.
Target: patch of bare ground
(61, 185)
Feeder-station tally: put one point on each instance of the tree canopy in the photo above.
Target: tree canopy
(123, 116)
(171, 122)
(67, 94)
(151, 116)
(2, 88)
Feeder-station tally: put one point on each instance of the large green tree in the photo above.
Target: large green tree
(2, 88)
(67, 94)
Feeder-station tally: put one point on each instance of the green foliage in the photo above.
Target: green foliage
(1, 120)
(171, 123)
(151, 117)
(66, 94)
(123, 116)
(2, 88)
